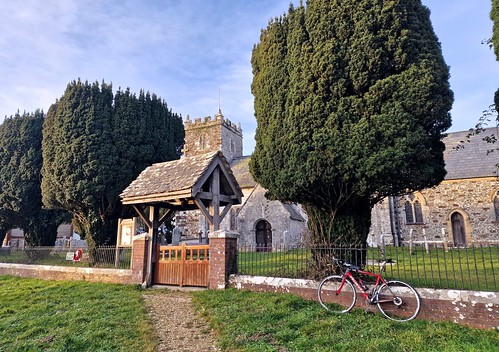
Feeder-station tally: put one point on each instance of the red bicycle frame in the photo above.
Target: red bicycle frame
(360, 284)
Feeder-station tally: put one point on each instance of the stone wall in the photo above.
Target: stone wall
(49, 272)
(285, 230)
(469, 308)
(191, 222)
(472, 198)
(135, 275)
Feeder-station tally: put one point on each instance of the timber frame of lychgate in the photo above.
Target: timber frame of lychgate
(203, 182)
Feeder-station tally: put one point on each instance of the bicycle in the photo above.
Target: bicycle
(396, 300)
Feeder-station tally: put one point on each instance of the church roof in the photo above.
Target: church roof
(474, 158)
(180, 180)
(240, 168)
(293, 212)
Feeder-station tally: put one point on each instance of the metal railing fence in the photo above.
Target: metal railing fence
(462, 268)
(103, 257)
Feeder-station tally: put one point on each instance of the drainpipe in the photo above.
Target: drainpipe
(394, 221)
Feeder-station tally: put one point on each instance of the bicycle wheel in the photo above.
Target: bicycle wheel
(398, 301)
(335, 301)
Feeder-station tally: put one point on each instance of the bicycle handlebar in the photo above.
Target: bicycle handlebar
(346, 265)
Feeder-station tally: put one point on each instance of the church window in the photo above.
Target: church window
(202, 141)
(408, 212)
(413, 210)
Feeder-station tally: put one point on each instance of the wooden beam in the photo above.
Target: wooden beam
(158, 198)
(236, 189)
(225, 211)
(222, 197)
(142, 215)
(206, 175)
(205, 211)
(167, 213)
(215, 202)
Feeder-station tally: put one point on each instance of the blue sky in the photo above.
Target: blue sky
(186, 50)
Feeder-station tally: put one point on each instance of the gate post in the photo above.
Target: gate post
(223, 258)
(139, 257)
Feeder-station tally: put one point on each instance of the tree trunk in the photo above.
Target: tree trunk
(341, 232)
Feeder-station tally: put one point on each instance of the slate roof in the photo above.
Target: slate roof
(472, 161)
(293, 212)
(240, 169)
(173, 177)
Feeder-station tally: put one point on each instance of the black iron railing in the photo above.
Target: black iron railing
(102, 257)
(463, 268)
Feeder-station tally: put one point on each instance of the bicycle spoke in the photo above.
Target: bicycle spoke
(333, 300)
(398, 301)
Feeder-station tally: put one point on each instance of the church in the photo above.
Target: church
(261, 223)
(461, 210)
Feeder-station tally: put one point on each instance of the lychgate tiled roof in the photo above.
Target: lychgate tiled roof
(473, 160)
(176, 179)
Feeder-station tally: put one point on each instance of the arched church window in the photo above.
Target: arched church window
(409, 219)
(413, 210)
(418, 211)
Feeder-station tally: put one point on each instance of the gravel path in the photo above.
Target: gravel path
(176, 323)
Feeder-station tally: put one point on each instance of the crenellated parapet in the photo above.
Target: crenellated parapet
(209, 121)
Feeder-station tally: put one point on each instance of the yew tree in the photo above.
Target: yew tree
(20, 177)
(494, 16)
(95, 144)
(351, 99)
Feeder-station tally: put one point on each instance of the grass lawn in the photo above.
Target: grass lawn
(37, 315)
(249, 321)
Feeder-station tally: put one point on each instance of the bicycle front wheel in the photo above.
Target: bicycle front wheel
(398, 301)
(336, 300)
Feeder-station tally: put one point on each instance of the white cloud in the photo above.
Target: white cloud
(186, 50)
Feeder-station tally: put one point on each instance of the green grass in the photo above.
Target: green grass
(250, 321)
(37, 315)
(464, 268)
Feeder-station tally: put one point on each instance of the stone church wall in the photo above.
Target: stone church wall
(473, 198)
(285, 231)
(211, 134)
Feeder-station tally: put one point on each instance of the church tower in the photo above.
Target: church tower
(211, 134)
(203, 136)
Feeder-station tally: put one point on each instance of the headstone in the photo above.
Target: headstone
(176, 236)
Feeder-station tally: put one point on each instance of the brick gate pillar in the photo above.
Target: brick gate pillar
(139, 257)
(223, 258)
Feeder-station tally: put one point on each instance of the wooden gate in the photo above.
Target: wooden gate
(182, 265)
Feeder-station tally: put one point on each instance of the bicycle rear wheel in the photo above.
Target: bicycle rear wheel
(333, 300)
(398, 301)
